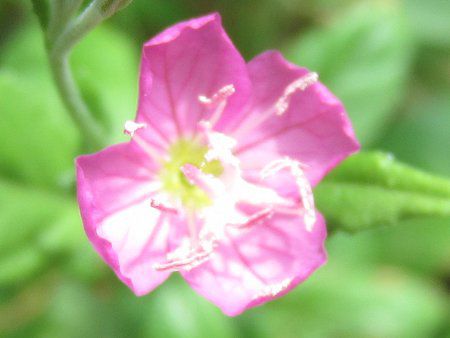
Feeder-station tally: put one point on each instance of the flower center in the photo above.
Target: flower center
(174, 181)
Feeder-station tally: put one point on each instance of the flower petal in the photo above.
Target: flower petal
(259, 263)
(191, 59)
(114, 192)
(314, 129)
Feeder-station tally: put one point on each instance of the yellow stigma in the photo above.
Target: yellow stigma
(175, 183)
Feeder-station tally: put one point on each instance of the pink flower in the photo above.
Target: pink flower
(216, 180)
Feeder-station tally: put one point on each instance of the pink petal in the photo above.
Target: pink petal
(314, 130)
(114, 192)
(260, 263)
(191, 59)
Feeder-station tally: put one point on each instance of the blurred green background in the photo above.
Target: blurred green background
(387, 60)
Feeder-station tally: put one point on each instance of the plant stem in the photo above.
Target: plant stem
(91, 130)
(60, 44)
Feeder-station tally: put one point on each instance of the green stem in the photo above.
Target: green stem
(77, 29)
(92, 132)
(60, 45)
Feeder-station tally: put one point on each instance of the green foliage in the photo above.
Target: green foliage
(106, 68)
(421, 136)
(174, 304)
(425, 239)
(41, 141)
(431, 24)
(38, 229)
(364, 57)
(45, 155)
(26, 213)
(20, 265)
(371, 189)
(357, 302)
(109, 7)
(40, 7)
(39, 221)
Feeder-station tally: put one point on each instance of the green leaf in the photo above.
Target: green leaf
(364, 57)
(106, 68)
(25, 53)
(20, 265)
(170, 311)
(26, 212)
(41, 138)
(76, 311)
(381, 169)
(40, 7)
(18, 309)
(356, 302)
(421, 137)
(425, 239)
(36, 227)
(430, 21)
(41, 142)
(104, 64)
(176, 311)
(371, 189)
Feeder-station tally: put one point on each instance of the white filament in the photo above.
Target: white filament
(300, 84)
(219, 101)
(303, 185)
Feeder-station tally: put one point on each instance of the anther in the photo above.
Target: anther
(162, 207)
(300, 84)
(221, 95)
(131, 127)
(280, 107)
(218, 101)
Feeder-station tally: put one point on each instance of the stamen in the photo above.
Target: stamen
(275, 289)
(303, 185)
(195, 176)
(280, 107)
(183, 264)
(222, 94)
(162, 206)
(300, 84)
(188, 257)
(255, 218)
(220, 147)
(219, 101)
(130, 128)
